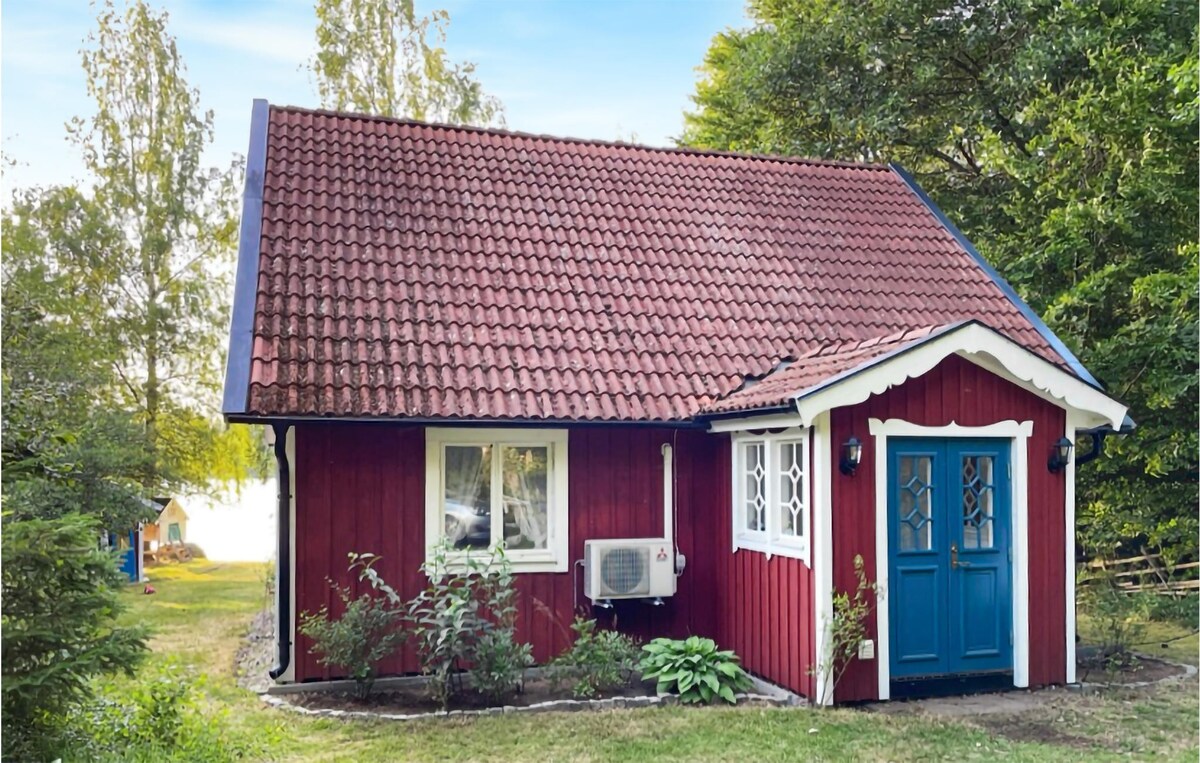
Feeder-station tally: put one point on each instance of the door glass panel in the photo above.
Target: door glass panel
(977, 495)
(916, 503)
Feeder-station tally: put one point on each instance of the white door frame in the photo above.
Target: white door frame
(1018, 433)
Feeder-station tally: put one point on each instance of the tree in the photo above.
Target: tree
(1062, 137)
(67, 444)
(161, 280)
(376, 56)
(60, 628)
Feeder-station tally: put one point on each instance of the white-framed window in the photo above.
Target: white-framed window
(771, 495)
(487, 486)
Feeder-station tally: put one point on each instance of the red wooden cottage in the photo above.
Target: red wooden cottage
(768, 366)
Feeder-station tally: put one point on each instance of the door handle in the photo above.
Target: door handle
(954, 563)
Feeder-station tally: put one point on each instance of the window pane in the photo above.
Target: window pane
(791, 489)
(524, 476)
(916, 503)
(468, 499)
(977, 490)
(755, 481)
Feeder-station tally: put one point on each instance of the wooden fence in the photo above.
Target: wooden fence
(1148, 573)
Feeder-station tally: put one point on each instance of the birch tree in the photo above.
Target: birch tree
(380, 57)
(164, 280)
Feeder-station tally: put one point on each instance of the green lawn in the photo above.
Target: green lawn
(201, 609)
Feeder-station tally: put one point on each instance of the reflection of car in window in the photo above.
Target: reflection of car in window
(468, 526)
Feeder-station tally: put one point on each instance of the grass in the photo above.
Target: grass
(201, 610)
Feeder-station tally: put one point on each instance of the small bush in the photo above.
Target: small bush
(59, 626)
(196, 551)
(1118, 616)
(694, 669)
(498, 664)
(470, 603)
(157, 717)
(598, 661)
(368, 632)
(1183, 611)
(847, 628)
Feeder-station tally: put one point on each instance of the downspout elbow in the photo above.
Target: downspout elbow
(283, 555)
(1097, 448)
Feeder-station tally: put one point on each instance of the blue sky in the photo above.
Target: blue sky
(582, 68)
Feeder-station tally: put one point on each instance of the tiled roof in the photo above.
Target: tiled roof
(793, 378)
(414, 270)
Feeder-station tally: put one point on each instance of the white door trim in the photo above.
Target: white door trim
(1018, 433)
(822, 556)
(1069, 511)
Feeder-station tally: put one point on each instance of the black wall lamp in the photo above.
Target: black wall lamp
(1060, 455)
(851, 455)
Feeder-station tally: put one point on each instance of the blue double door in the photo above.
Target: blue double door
(950, 569)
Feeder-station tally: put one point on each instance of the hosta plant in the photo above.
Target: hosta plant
(694, 669)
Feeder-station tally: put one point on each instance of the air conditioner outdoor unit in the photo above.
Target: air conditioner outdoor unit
(636, 568)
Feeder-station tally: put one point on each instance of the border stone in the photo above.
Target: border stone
(1188, 671)
(779, 698)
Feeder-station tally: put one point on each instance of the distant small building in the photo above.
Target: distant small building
(169, 528)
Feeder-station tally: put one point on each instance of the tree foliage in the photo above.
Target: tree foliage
(60, 628)
(380, 57)
(158, 285)
(1062, 137)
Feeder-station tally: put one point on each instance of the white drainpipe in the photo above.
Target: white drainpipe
(668, 454)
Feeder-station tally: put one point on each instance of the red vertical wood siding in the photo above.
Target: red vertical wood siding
(958, 391)
(361, 487)
(766, 605)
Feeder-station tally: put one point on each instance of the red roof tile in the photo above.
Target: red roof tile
(793, 378)
(414, 270)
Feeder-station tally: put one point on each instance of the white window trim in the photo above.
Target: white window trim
(1018, 433)
(554, 558)
(770, 541)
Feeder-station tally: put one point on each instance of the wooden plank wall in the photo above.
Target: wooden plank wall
(360, 487)
(959, 391)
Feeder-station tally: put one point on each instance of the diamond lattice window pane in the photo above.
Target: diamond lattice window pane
(916, 503)
(791, 489)
(977, 496)
(755, 486)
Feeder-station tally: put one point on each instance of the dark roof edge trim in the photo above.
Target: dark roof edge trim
(1050, 337)
(241, 323)
(255, 418)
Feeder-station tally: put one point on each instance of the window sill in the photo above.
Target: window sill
(522, 562)
(776, 548)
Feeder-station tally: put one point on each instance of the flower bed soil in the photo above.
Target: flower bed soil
(416, 699)
(1094, 669)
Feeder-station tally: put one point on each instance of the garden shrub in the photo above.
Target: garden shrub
(498, 662)
(59, 628)
(847, 628)
(598, 661)
(469, 604)
(1118, 617)
(694, 669)
(367, 632)
(156, 717)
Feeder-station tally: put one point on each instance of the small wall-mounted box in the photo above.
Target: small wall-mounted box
(866, 649)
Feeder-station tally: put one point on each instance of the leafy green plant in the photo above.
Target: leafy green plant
(498, 663)
(694, 669)
(160, 716)
(1118, 617)
(467, 612)
(59, 628)
(846, 628)
(598, 660)
(367, 632)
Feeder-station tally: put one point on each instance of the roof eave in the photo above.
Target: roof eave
(241, 324)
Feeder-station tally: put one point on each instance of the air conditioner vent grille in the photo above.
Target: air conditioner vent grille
(625, 571)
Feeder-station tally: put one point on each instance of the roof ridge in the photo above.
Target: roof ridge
(681, 150)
